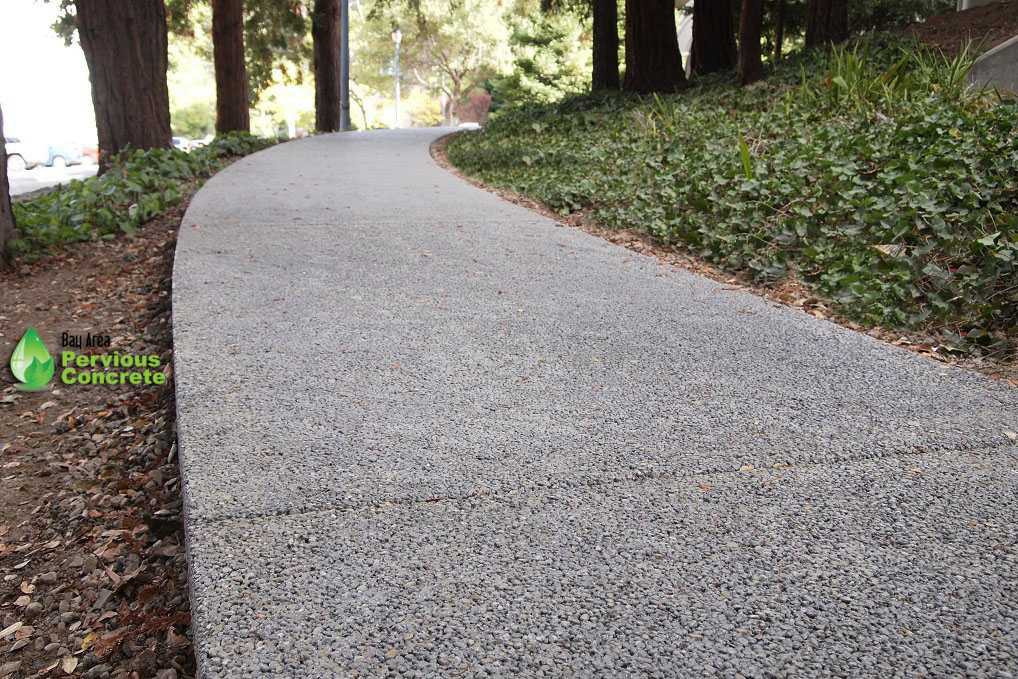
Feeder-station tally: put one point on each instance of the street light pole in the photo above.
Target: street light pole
(397, 37)
(344, 69)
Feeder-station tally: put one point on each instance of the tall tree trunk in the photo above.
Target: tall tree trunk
(232, 112)
(653, 61)
(606, 46)
(326, 36)
(779, 29)
(713, 37)
(826, 22)
(125, 48)
(750, 26)
(454, 110)
(6, 213)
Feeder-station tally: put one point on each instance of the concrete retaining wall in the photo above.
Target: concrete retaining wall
(969, 4)
(998, 67)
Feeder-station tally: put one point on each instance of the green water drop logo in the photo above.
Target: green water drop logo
(31, 362)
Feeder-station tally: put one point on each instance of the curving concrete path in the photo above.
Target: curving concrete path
(426, 433)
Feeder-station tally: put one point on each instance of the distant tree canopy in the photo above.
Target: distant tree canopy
(276, 34)
(516, 50)
(551, 57)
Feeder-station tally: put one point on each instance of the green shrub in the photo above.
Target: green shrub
(894, 194)
(137, 186)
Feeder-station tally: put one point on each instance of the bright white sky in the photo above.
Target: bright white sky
(44, 87)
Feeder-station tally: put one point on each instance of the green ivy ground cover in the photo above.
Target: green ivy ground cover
(138, 186)
(872, 174)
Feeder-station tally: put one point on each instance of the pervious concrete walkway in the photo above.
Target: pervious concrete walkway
(428, 433)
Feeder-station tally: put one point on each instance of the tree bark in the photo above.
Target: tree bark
(454, 111)
(125, 48)
(326, 36)
(713, 37)
(826, 22)
(653, 62)
(232, 106)
(750, 26)
(779, 29)
(6, 213)
(606, 46)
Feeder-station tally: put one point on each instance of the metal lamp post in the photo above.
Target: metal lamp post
(397, 37)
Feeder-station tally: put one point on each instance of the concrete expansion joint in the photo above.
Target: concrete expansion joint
(591, 483)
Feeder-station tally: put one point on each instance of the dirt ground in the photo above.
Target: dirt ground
(993, 23)
(788, 293)
(91, 546)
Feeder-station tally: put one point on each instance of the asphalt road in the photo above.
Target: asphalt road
(425, 432)
(26, 181)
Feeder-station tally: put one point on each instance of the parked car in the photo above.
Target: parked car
(62, 155)
(204, 141)
(90, 155)
(182, 143)
(22, 155)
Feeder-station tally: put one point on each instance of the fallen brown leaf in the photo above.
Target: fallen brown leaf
(11, 630)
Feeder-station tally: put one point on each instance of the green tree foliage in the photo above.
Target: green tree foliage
(885, 15)
(191, 78)
(276, 40)
(194, 120)
(551, 57)
(450, 46)
(276, 37)
(863, 16)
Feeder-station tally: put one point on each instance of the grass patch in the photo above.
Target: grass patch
(138, 186)
(872, 174)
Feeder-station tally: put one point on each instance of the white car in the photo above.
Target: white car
(204, 141)
(22, 155)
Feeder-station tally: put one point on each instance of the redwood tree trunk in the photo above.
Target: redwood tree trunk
(826, 22)
(750, 26)
(326, 35)
(606, 46)
(713, 37)
(653, 62)
(231, 71)
(125, 48)
(6, 213)
(779, 29)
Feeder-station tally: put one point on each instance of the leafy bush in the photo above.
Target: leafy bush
(894, 194)
(194, 120)
(137, 186)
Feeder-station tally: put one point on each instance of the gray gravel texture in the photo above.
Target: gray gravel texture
(419, 421)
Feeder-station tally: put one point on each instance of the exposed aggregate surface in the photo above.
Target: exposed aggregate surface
(425, 432)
